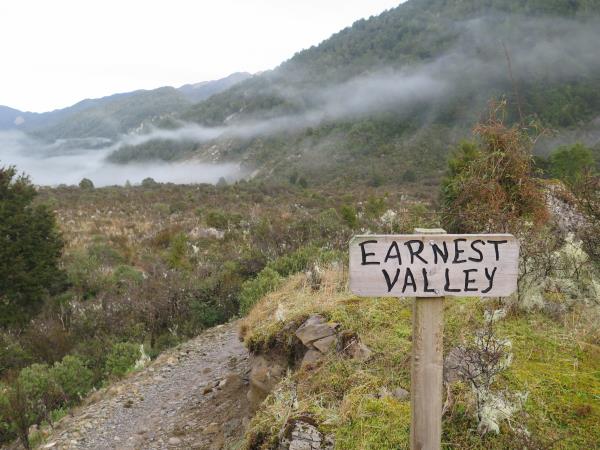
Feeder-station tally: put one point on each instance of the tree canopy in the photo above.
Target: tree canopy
(30, 248)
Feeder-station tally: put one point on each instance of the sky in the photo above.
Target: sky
(55, 53)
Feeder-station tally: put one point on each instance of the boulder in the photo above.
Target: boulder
(264, 375)
(453, 365)
(357, 350)
(401, 394)
(311, 357)
(325, 344)
(305, 436)
(316, 327)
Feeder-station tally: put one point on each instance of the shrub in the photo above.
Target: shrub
(149, 182)
(253, 290)
(177, 255)
(122, 358)
(489, 187)
(12, 354)
(124, 275)
(73, 377)
(86, 184)
(349, 216)
(217, 219)
(569, 163)
(409, 176)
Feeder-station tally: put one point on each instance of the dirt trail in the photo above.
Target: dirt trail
(190, 397)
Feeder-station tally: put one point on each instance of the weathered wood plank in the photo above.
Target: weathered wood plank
(427, 368)
(423, 265)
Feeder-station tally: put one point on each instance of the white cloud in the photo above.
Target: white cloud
(57, 53)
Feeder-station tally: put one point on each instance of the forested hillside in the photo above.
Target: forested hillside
(386, 98)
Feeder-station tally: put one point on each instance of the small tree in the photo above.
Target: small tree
(490, 187)
(30, 248)
(149, 182)
(86, 184)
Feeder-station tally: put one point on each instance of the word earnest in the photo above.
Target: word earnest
(434, 265)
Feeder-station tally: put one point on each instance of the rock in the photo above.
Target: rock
(315, 328)
(230, 426)
(50, 445)
(358, 350)
(305, 436)
(311, 357)
(264, 375)
(325, 344)
(453, 365)
(174, 441)
(401, 394)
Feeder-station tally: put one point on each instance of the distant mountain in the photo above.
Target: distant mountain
(111, 116)
(384, 100)
(201, 91)
(388, 97)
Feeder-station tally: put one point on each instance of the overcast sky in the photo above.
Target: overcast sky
(55, 53)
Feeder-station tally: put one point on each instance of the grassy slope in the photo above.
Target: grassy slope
(557, 363)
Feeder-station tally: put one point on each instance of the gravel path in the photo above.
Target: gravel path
(191, 397)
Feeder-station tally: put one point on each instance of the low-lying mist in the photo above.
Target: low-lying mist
(542, 50)
(68, 161)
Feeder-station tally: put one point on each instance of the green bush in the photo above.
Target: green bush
(12, 354)
(349, 216)
(217, 219)
(253, 290)
(569, 163)
(124, 275)
(73, 377)
(39, 386)
(122, 358)
(177, 254)
(86, 184)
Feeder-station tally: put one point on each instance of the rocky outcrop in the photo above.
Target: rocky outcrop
(265, 373)
(305, 436)
(311, 341)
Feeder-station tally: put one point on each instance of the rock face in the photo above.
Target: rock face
(314, 329)
(566, 216)
(265, 373)
(305, 436)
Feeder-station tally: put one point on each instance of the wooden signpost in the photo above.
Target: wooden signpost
(431, 265)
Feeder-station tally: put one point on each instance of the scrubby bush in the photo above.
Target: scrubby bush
(177, 255)
(489, 187)
(149, 182)
(12, 353)
(122, 358)
(570, 163)
(253, 290)
(86, 184)
(73, 378)
(349, 216)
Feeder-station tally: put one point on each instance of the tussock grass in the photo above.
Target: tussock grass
(558, 363)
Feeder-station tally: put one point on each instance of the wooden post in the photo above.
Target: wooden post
(427, 369)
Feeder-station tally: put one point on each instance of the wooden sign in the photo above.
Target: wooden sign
(434, 265)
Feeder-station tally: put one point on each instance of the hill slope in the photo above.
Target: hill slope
(389, 96)
(111, 116)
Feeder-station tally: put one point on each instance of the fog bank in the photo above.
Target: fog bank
(67, 162)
